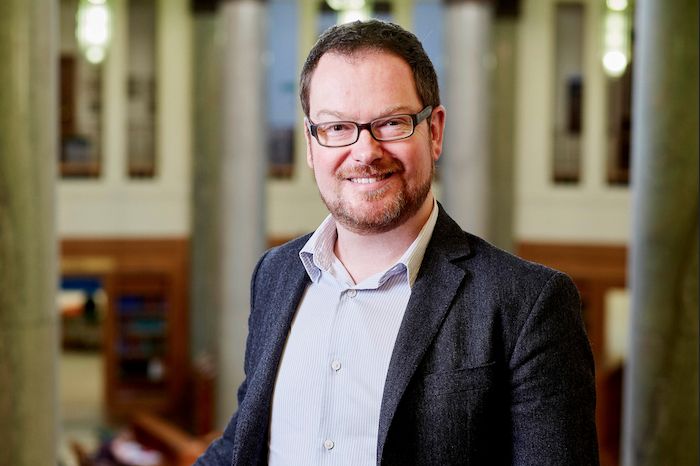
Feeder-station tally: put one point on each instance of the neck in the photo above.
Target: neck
(363, 255)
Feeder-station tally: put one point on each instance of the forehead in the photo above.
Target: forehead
(362, 84)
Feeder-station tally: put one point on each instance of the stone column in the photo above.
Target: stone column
(28, 250)
(502, 150)
(242, 178)
(205, 245)
(465, 165)
(661, 381)
(403, 13)
(206, 167)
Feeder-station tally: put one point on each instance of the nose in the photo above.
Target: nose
(367, 149)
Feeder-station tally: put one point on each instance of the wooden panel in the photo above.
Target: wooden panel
(584, 261)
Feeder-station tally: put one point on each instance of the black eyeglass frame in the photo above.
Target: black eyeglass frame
(417, 118)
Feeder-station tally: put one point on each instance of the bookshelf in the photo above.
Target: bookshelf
(140, 323)
(145, 327)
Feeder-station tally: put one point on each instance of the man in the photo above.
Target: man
(390, 336)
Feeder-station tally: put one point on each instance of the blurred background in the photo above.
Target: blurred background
(151, 150)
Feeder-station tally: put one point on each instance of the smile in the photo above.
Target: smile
(371, 180)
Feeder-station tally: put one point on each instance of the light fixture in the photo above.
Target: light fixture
(348, 16)
(617, 5)
(615, 62)
(350, 10)
(342, 5)
(616, 42)
(93, 29)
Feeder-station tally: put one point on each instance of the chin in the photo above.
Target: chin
(377, 211)
(372, 216)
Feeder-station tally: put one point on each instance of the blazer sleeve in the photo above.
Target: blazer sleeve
(553, 383)
(220, 451)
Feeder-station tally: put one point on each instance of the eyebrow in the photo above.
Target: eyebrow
(393, 110)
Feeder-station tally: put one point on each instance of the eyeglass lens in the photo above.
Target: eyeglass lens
(339, 133)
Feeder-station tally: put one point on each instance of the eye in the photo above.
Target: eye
(393, 126)
(336, 128)
(389, 122)
(394, 122)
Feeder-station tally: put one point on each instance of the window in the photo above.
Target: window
(281, 59)
(141, 89)
(80, 105)
(618, 37)
(569, 88)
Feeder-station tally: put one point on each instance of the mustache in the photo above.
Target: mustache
(369, 171)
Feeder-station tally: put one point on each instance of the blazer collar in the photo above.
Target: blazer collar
(439, 278)
(254, 415)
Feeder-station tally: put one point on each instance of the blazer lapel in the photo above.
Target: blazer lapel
(254, 417)
(438, 281)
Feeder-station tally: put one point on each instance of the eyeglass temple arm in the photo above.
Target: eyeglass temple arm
(422, 115)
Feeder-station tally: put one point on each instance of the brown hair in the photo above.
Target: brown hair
(379, 36)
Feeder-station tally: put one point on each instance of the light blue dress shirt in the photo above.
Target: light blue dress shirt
(328, 392)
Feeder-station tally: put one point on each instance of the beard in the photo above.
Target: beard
(377, 211)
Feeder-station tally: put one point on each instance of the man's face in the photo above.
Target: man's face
(371, 186)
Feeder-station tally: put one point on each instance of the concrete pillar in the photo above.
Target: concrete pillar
(243, 173)
(28, 251)
(205, 245)
(403, 13)
(466, 162)
(205, 284)
(502, 176)
(661, 381)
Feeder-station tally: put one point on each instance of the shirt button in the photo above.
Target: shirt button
(328, 444)
(352, 293)
(335, 365)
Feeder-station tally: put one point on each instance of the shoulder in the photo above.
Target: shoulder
(282, 256)
(476, 255)
(289, 249)
(505, 295)
(493, 275)
(503, 266)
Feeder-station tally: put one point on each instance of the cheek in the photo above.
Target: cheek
(324, 172)
(420, 165)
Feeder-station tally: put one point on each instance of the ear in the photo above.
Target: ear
(437, 131)
(308, 138)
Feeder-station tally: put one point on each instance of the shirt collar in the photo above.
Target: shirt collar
(317, 254)
(413, 257)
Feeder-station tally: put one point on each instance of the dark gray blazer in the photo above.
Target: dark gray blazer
(491, 364)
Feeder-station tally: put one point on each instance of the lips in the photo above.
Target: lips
(370, 179)
(368, 174)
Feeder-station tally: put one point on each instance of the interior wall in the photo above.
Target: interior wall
(114, 205)
(592, 211)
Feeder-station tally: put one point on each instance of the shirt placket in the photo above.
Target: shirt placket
(335, 371)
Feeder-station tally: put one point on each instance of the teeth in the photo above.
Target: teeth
(364, 180)
(368, 180)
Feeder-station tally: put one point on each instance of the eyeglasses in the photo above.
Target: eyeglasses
(389, 128)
